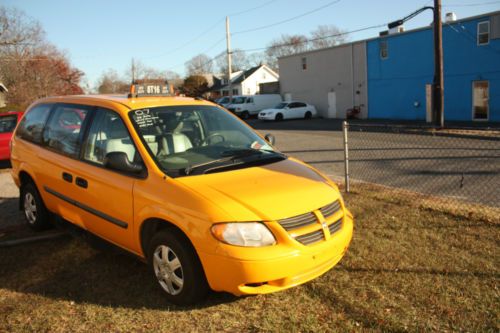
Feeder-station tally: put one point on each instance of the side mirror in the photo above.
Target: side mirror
(270, 138)
(118, 160)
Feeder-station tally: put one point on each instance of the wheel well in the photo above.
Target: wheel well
(151, 226)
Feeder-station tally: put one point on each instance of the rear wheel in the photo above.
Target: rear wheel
(308, 115)
(279, 117)
(177, 268)
(34, 209)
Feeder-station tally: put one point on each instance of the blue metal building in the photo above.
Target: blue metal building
(400, 65)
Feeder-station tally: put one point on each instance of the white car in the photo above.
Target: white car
(289, 110)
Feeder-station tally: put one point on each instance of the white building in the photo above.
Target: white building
(244, 82)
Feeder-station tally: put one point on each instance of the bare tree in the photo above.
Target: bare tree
(200, 64)
(283, 46)
(17, 29)
(111, 83)
(327, 36)
(239, 61)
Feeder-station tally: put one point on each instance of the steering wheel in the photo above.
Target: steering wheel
(205, 141)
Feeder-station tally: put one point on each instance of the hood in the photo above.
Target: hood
(270, 192)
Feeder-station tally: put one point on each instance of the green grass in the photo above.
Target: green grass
(410, 267)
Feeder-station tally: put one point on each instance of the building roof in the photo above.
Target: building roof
(470, 18)
(240, 77)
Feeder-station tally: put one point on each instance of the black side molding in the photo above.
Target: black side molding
(91, 210)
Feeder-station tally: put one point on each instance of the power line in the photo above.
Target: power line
(331, 3)
(211, 28)
(318, 38)
(472, 4)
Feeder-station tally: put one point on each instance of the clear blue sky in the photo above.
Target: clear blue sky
(102, 34)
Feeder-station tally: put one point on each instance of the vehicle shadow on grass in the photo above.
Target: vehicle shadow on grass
(68, 269)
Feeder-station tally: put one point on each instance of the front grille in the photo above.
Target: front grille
(310, 219)
(298, 221)
(330, 209)
(335, 226)
(312, 237)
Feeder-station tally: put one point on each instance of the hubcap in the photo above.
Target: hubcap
(30, 208)
(168, 270)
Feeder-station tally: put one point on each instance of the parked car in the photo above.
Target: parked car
(224, 101)
(246, 106)
(184, 185)
(8, 122)
(289, 110)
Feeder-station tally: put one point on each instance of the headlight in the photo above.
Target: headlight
(251, 234)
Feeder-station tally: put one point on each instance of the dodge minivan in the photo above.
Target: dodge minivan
(184, 185)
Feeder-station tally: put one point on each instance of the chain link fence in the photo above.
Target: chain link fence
(457, 168)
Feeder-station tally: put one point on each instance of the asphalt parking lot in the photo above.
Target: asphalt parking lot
(456, 167)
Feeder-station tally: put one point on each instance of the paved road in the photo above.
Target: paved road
(464, 168)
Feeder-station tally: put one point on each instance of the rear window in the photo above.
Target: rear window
(7, 123)
(31, 127)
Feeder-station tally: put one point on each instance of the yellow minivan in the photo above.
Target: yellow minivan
(183, 184)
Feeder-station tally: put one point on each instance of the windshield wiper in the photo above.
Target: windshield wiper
(231, 155)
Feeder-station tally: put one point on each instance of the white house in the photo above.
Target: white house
(244, 82)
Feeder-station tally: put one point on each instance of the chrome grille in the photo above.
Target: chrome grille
(312, 237)
(335, 226)
(330, 209)
(298, 221)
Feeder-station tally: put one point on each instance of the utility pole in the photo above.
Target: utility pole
(228, 44)
(438, 100)
(437, 84)
(132, 69)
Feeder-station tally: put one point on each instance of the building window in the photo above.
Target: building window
(304, 63)
(384, 52)
(235, 91)
(483, 33)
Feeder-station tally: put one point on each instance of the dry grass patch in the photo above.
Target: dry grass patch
(410, 267)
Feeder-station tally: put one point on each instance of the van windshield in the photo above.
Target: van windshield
(191, 139)
(238, 100)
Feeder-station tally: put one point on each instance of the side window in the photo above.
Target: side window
(63, 130)
(31, 126)
(384, 50)
(483, 33)
(292, 105)
(250, 100)
(8, 123)
(108, 134)
(300, 105)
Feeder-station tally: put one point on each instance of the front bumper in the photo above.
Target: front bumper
(286, 265)
(267, 117)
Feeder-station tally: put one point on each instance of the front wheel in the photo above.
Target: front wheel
(34, 209)
(279, 117)
(308, 115)
(177, 268)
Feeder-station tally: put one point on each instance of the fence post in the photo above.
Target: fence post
(345, 128)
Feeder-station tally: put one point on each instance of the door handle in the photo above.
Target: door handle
(81, 182)
(67, 177)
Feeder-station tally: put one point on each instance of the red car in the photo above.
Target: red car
(8, 122)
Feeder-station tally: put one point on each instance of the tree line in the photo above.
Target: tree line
(30, 66)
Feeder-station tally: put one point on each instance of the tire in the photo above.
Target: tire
(176, 267)
(34, 209)
(308, 115)
(279, 117)
(245, 115)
